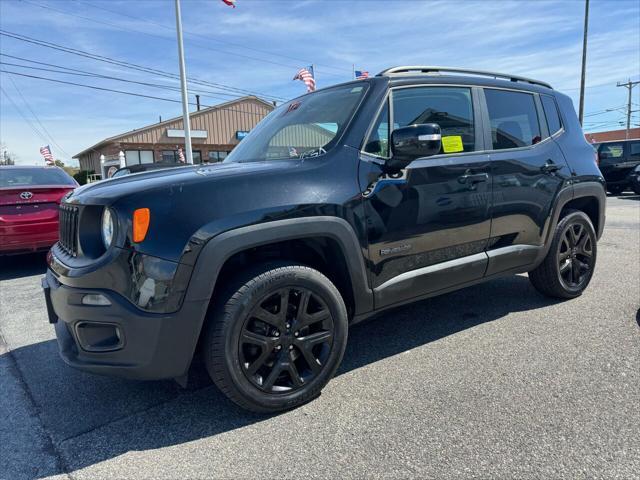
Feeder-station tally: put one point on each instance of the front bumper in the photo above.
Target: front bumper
(120, 339)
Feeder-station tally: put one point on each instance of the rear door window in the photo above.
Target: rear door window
(551, 113)
(634, 151)
(610, 153)
(23, 177)
(513, 118)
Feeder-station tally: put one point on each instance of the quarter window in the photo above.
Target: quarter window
(378, 142)
(551, 112)
(513, 118)
(450, 107)
(634, 151)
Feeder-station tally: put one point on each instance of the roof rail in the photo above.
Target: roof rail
(433, 69)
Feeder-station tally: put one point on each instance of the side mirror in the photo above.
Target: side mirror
(414, 141)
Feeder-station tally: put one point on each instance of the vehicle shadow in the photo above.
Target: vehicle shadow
(91, 419)
(625, 196)
(18, 266)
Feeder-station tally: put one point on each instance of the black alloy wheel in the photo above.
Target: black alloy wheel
(286, 340)
(575, 256)
(275, 336)
(569, 264)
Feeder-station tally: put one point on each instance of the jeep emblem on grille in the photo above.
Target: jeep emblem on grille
(26, 195)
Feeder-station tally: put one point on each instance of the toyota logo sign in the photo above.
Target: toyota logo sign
(26, 195)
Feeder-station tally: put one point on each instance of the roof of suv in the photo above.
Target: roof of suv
(407, 75)
(423, 69)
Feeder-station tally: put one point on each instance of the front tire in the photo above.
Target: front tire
(568, 267)
(275, 337)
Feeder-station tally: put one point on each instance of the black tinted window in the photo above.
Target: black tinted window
(451, 108)
(19, 177)
(551, 112)
(609, 153)
(513, 117)
(634, 151)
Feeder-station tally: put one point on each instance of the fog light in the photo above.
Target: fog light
(95, 299)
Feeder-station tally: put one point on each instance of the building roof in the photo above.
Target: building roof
(612, 135)
(192, 115)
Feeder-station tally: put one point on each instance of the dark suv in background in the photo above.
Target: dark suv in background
(618, 161)
(340, 204)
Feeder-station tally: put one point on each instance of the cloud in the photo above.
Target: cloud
(541, 39)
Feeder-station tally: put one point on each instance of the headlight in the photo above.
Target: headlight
(637, 169)
(107, 228)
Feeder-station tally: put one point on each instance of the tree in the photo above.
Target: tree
(6, 157)
(59, 163)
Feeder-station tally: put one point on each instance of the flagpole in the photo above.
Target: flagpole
(183, 85)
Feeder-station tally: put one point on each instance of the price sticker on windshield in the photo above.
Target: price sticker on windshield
(452, 144)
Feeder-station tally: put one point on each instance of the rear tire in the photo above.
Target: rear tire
(275, 337)
(568, 267)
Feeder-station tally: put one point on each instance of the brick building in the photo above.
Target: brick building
(215, 131)
(612, 135)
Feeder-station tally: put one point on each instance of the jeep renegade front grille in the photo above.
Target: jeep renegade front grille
(68, 225)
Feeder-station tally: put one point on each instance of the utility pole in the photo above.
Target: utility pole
(183, 85)
(584, 59)
(629, 86)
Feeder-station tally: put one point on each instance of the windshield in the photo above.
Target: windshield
(22, 177)
(308, 126)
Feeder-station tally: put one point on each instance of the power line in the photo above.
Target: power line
(83, 73)
(224, 42)
(114, 25)
(24, 117)
(123, 92)
(629, 86)
(44, 129)
(130, 65)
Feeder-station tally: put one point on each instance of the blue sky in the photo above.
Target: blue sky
(259, 46)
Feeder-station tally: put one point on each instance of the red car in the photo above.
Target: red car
(29, 200)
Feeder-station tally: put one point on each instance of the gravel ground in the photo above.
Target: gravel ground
(491, 381)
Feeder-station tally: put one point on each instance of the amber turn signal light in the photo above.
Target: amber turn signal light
(141, 217)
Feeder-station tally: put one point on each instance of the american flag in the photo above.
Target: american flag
(307, 76)
(231, 3)
(361, 74)
(181, 156)
(46, 153)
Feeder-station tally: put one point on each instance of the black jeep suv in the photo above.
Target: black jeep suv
(338, 205)
(617, 161)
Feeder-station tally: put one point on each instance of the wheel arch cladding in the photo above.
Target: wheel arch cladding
(220, 249)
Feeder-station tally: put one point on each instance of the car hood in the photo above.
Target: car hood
(106, 192)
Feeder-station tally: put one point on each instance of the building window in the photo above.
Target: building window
(514, 119)
(217, 156)
(136, 157)
(171, 156)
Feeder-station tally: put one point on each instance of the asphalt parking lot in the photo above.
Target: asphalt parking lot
(491, 381)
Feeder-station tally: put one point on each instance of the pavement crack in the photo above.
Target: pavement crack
(49, 446)
(128, 415)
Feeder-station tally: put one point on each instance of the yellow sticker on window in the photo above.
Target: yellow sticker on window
(452, 144)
